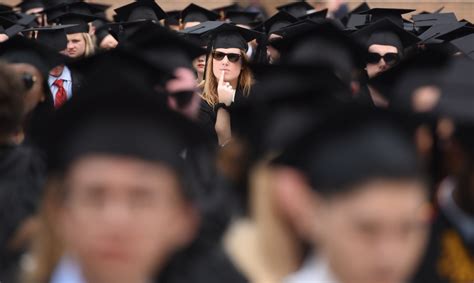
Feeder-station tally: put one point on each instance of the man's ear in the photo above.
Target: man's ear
(297, 202)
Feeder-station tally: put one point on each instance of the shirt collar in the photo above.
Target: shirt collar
(314, 270)
(65, 76)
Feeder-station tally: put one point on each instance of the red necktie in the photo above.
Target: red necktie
(61, 95)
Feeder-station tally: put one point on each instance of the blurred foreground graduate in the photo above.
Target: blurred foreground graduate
(360, 200)
(118, 206)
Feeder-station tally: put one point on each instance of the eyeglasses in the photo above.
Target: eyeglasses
(232, 57)
(389, 58)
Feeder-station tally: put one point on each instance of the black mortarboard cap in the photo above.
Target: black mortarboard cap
(172, 18)
(141, 10)
(53, 36)
(461, 32)
(362, 7)
(385, 32)
(242, 17)
(427, 20)
(356, 20)
(195, 13)
(26, 5)
(13, 23)
(225, 9)
(395, 15)
(202, 28)
(53, 8)
(278, 21)
(439, 30)
(80, 22)
(99, 9)
(363, 143)
(353, 19)
(231, 36)
(22, 50)
(164, 47)
(465, 45)
(321, 43)
(315, 15)
(296, 9)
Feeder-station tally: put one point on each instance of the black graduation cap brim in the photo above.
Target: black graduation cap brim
(242, 17)
(427, 20)
(203, 28)
(80, 20)
(362, 7)
(407, 39)
(315, 15)
(26, 5)
(278, 21)
(461, 32)
(225, 9)
(296, 9)
(439, 30)
(22, 50)
(52, 36)
(195, 13)
(172, 18)
(152, 11)
(356, 20)
(165, 47)
(465, 45)
(231, 36)
(386, 11)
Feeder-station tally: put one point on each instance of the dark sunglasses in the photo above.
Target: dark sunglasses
(232, 57)
(389, 58)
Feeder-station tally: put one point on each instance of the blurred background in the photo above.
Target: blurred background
(464, 9)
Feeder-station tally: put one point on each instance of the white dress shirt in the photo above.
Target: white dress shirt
(314, 270)
(67, 82)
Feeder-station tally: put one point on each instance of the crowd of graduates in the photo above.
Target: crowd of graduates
(226, 145)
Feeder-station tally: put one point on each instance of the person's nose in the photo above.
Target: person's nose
(225, 61)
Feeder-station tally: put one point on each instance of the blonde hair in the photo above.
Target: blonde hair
(209, 85)
(90, 44)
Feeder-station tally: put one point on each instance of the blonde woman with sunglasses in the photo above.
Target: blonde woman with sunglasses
(228, 78)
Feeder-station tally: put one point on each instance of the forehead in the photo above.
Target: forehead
(119, 172)
(74, 36)
(382, 49)
(382, 198)
(229, 50)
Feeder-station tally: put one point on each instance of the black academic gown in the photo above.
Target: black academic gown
(22, 176)
(76, 78)
(448, 258)
(207, 115)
